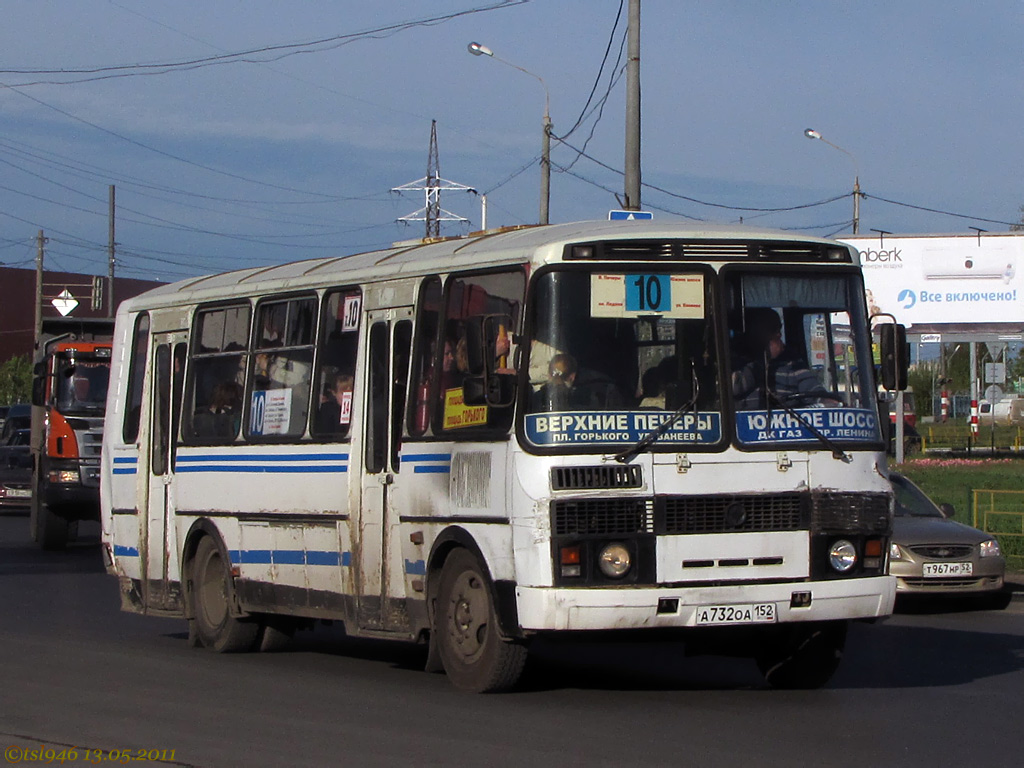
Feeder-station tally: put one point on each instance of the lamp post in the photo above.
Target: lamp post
(810, 133)
(545, 158)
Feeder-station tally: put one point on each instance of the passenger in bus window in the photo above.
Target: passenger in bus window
(335, 414)
(761, 361)
(223, 416)
(561, 391)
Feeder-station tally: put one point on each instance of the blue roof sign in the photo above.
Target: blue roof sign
(630, 215)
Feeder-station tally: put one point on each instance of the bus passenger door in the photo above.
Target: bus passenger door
(381, 580)
(156, 550)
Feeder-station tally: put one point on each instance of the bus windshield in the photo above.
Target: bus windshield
(81, 385)
(613, 355)
(801, 366)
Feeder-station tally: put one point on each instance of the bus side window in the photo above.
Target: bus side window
(469, 300)
(426, 361)
(282, 364)
(133, 411)
(216, 374)
(331, 414)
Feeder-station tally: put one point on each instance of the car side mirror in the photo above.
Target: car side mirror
(947, 510)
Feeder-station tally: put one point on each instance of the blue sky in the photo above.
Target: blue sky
(274, 159)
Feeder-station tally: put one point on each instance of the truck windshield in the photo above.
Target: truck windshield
(612, 355)
(81, 385)
(801, 366)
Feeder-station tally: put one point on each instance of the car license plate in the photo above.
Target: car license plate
(18, 493)
(749, 613)
(940, 570)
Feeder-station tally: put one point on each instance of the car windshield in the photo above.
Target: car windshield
(911, 501)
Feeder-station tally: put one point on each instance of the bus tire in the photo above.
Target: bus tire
(53, 530)
(475, 656)
(803, 656)
(215, 627)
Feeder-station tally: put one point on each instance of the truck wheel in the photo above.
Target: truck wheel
(803, 656)
(475, 656)
(215, 627)
(53, 531)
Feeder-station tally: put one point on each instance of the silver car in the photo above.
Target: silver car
(933, 555)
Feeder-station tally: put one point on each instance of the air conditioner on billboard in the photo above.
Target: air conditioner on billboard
(969, 262)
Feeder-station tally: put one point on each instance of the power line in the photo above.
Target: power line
(278, 51)
(936, 210)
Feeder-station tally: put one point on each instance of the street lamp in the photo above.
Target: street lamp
(545, 158)
(810, 133)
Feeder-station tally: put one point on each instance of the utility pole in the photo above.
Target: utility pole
(632, 170)
(40, 242)
(110, 259)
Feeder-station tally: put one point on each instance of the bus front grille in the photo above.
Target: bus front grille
(730, 513)
(602, 516)
(865, 513)
(589, 478)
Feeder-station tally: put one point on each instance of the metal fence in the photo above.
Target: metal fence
(1001, 513)
(959, 438)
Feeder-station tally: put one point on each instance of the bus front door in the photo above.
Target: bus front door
(380, 570)
(169, 352)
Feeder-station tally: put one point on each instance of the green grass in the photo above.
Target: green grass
(953, 480)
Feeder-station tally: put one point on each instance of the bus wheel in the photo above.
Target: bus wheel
(475, 656)
(803, 656)
(215, 627)
(53, 530)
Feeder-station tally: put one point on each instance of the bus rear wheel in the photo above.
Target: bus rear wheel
(475, 656)
(215, 627)
(803, 656)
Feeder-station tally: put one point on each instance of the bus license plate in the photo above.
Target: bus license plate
(751, 613)
(941, 570)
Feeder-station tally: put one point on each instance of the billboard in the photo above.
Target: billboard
(944, 279)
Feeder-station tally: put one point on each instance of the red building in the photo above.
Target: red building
(18, 295)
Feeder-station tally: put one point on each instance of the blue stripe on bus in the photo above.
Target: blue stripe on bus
(131, 462)
(318, 468)
(132, 471)
(238, 457)
(122, 551)
(416, 568)
(126, 459)
(440, 463)
(289, 557)
(427, 457)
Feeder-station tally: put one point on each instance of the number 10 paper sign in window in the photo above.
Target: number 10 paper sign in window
(678, 296)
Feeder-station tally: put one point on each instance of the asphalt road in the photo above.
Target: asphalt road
(926, 688)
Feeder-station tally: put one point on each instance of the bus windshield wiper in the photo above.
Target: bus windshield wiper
(837, 452)
(649, 439)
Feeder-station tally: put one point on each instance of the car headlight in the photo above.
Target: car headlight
(614, 560)
(842, 555)
(990, 548)
(63, 476)
(895, 553)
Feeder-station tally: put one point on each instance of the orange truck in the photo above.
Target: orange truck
(69, 393)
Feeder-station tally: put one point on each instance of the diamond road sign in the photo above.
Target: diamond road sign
(65, 303)
(630, 215)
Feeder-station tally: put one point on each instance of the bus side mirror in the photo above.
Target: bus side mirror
(895, 356)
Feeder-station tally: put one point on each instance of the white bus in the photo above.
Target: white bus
(473, 442)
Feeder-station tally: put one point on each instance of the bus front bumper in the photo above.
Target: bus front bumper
(550, 608)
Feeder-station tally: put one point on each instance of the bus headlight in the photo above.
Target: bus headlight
(614, 560)
(842, 556)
